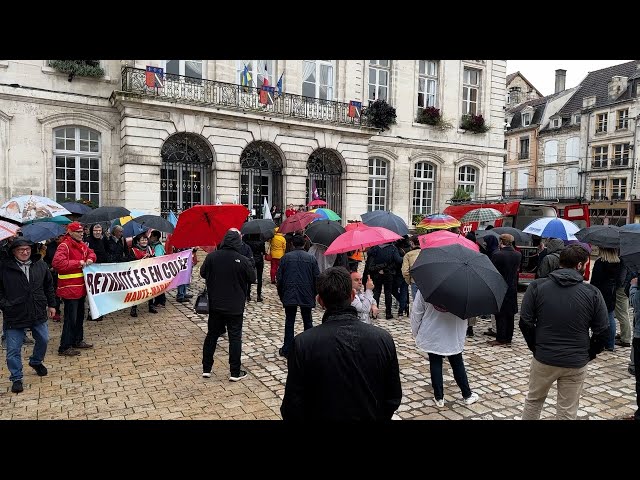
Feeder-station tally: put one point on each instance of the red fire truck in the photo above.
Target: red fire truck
(518, 214)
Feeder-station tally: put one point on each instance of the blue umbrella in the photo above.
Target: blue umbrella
(132, 228)
(551, 227)
(40, 231)
(77, 208)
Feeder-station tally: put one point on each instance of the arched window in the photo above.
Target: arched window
(424, 180)
(260, 177)
(77, 152)
(186, 172)
(468, 179)
(378, 180)
(325, 178)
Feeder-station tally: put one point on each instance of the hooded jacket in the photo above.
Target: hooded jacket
(227, 273)
(24, 301)
(551, 260)
(556, 315)
(67, 262)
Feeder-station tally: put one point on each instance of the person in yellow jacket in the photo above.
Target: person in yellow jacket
(278, 247)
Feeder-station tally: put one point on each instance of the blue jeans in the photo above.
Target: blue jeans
(459, 373)
(15, 338)
(414, 291)
(182, 291)
(612, 331)
(404, 296)
(289, 322)
(73, 326)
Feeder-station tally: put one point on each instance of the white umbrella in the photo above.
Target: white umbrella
(7, 229)
(481, 215)
(31, 207)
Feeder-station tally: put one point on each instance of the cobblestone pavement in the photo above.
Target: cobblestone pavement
(150, 368)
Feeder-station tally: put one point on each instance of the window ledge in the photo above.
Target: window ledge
(52, 71)
(601, 133)
(4, 63)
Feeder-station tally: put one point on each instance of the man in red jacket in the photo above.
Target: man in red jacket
(72, 254)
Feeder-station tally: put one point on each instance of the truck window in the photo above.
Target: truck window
(529, 213)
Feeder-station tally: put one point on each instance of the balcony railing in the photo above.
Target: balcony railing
(551, 193)
(236, 97)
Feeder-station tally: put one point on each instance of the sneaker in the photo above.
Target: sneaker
(473, 398)
(83, 344)
(238, 377)
(40, 369)
(181, 299)
(620, 343)
(152, 309)
(188, 296)
(17, 386)
(69, 352)
(29, 341)
(282, 354)
(134, 312)
(206, 374)
(631, 369)
(439, 403)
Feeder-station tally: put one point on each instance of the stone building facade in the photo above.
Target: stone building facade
(207, 133)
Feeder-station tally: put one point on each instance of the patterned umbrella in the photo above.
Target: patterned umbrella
(481, 215)
(7, 229)
(439, 221)
(551, 227)
(326, 214)
(31, 207)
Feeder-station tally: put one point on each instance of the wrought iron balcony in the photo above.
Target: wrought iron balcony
(551, 193)
(178, 88)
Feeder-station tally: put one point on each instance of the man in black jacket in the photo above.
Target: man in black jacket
(383, 261)
(344, 369)
(227, 273)
(556, 315)
(26, 297)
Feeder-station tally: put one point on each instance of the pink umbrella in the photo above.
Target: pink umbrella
(316, 203)
(443, 237)
(352, 225)
(360, 238)
(7, 229)
(298, 221)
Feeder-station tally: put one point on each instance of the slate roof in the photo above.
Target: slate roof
(596, 83)
(511, 76)
(538, 105)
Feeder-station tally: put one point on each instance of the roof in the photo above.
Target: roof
(596, 83)
(511, 76)
(538, 105)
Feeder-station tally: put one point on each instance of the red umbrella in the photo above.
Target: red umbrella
(443, 237)
(207, 224)
(316, 203)
(360, 238)
(298, 221)
(352, 226)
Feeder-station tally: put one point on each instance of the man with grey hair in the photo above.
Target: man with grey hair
(116, 245)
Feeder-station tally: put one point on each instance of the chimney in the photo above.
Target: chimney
(561, 76)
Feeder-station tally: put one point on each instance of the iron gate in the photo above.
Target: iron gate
(185, 175)
(260, 178)
(325, 175)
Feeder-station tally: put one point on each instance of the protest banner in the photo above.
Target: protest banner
(114, 286)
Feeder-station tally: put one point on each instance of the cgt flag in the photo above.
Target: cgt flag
(154, 77)
(354, 109)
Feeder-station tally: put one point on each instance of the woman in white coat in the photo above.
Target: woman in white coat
(441, 334)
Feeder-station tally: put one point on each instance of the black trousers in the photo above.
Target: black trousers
(379, 281)
(259, 270)
(504, 327)
(636, 361)
(216, 325)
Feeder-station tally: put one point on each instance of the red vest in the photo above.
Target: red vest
(66, 261)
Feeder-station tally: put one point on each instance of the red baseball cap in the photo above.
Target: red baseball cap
(75, 227)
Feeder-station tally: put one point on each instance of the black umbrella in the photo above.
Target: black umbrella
(630, 246)
(77, 208)
(519, 236)
(461, 280)
(324, 232)
(262, 226)
(607, 236)
(385, 219)
(155, 222)
(40, 231)
(104, 214)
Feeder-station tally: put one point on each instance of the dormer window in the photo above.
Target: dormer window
(576, 119)
(526, 119)
(556, 123)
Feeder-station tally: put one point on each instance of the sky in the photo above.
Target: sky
(542, 73)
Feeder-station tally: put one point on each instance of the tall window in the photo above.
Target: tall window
(600, 157)
(601, 122)
(618, 188)
(599, 189)
(185, 68)
(77, 153)
(573, 149)
(470, 91)
(424, 176)
(621, 155)
(257, 70)
(468, 179)
(379, 72)
(377, 191)
(526, 119)
(427, 83)
(524, 148)
(551, 151)
(317, 79)
(623, 119)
